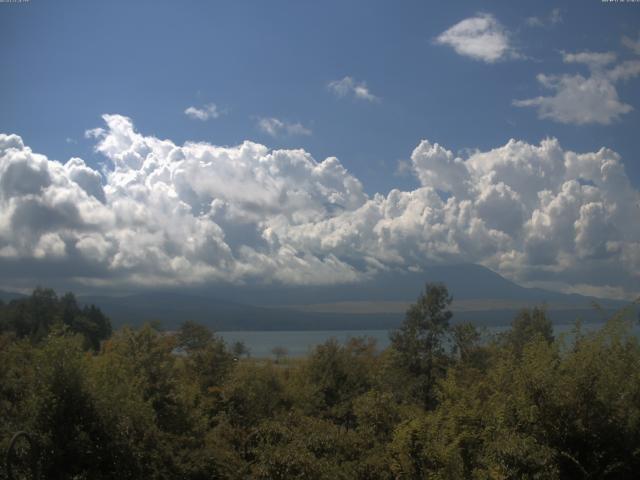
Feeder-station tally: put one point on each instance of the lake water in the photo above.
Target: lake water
(300, 343)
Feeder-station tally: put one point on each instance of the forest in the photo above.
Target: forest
(444, 401)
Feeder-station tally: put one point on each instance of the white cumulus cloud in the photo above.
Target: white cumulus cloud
(196, 213)
(348, 86)
(276, 127)
(579, 99)
(481, 37)
(204, 113)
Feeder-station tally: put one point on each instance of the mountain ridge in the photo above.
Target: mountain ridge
(480, 295)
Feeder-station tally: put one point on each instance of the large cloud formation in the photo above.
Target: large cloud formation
(164, 214)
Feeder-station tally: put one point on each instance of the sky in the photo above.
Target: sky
(153, 144)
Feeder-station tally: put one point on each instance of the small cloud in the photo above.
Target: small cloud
(581, 100)
(554, 18)
(94, 133)
(70, 140)
(207, 112)
(349, 86)
(276, 127)
(403, 168)
(594, 60)
(634, 45)
(481, 37)
(534, 22)
(625, 70)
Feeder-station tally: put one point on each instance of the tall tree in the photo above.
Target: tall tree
(194, 336)
(419, 342)
(527, 326)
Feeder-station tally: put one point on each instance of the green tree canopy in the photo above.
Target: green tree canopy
(420, 342)
(33, 317)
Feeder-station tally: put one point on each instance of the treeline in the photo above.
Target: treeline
(441, 402)
(33, 318)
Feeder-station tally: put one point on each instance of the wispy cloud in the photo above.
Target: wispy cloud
(276, 127)
(634, 45)
(481, 37)
(554, 18)
(94, 132)
(593, 60)
(348, 86)
(204, 113)
(582, 100)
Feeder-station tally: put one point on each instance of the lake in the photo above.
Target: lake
(300, 343)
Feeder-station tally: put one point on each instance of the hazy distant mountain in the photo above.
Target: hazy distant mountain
(465, 282)
(480, 295)
(8, 296)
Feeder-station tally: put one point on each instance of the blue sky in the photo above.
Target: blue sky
(67, 63)
(264, 70)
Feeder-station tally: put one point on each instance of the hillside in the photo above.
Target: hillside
(480, 295)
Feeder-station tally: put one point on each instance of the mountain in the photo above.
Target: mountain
(480, 295)
(465, 282)
(8, 296)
